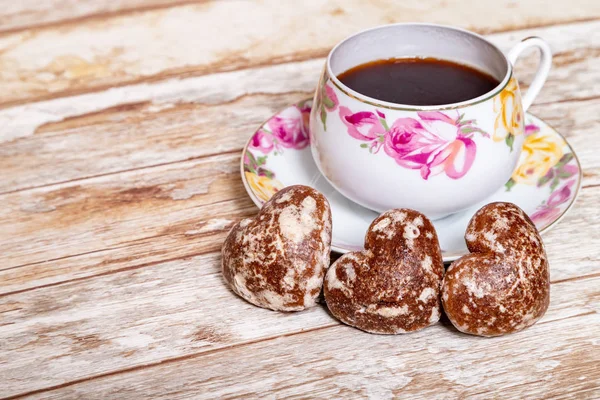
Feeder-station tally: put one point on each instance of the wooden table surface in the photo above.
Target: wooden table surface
(121, 128)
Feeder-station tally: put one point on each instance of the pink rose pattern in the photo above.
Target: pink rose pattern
(530, 129)
(434, 143)
(549, 210)
(284, 131)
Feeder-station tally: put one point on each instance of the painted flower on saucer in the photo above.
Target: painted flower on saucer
(545, 159)
(286, 130)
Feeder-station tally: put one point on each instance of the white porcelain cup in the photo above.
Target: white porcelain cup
(435, 159)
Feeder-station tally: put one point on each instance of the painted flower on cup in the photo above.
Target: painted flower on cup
(509, 122)
(550, 210)
(542, 160)
(286, 130)
(365, 126)
(327, 100)
(434, 143)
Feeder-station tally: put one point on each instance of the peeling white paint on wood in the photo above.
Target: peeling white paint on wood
(115, 204)
(192, 38)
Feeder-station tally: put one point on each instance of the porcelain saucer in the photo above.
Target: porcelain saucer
(544, 184)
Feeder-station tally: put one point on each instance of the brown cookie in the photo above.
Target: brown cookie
(503, 286)
(393, 286)
(277, 259)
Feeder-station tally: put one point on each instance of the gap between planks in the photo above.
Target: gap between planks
(105, 15)
(219, 350)
(201, 102)
(181, 257)
(227, 152)
(219, 67)
(171, 360)
(152, 263)
(84, 178)
(100, 15)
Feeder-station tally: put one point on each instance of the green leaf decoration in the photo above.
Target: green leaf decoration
(328, 102)
(509, 185)
(364, 145)
(562, 174)
(545, 179)
(468, 129)
(460, 117)
(564, 160)
(261, 160)
(253, 162)
(268, 173)
(555, 183)
(324, 118)
(384, 124)
(510, 140)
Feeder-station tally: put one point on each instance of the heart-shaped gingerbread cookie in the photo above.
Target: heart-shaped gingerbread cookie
(503, 286)
(392, 286)
(277, 260)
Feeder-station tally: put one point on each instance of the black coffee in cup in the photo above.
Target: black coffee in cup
(418, 81)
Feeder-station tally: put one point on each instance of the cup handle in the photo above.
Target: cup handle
(543, 68)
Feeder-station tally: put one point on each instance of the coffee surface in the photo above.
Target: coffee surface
(418, 81)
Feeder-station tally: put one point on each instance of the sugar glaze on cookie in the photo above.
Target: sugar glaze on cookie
(277, 260)
(393, 286)
(503, 286)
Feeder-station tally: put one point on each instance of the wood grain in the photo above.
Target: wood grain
(98, 54)
(30, 14)
(108, 238)
(122, 124)
(92, 218)
(340, 362)
(111, 322)
(143, 125)
(119, 211)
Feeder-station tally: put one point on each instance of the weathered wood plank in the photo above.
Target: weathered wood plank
(115, 204)
(107, 205)
(119, 211)
(549, 360)
(144, 226)
(95, 54)
(178, 310)
(142, 125)
(29, 14)
(136, 136)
